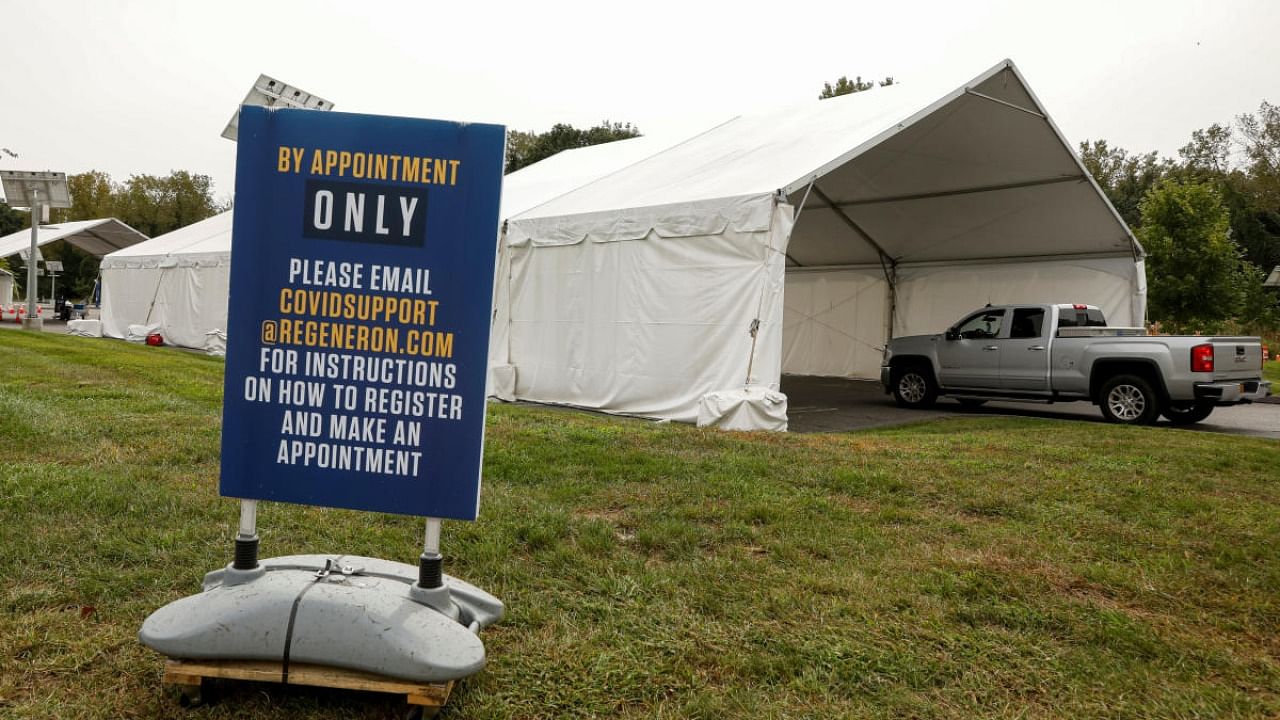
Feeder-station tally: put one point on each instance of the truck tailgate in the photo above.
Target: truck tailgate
(1236, 358)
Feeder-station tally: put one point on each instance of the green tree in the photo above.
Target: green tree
(1260, 139)
(527, 148)
(1209, 151)
(1250, 189)
(845, 86)
(1125, 178)
(93, 196)
(157, 205)
(1196, 273)
(10, 222)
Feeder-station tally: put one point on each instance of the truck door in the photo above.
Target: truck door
(969, 355)
(1024, 353)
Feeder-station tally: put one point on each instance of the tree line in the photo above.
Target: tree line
(150, 204)
(1209, 221)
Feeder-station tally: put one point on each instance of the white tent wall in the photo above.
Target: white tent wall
(835, 322)
(836, 318)
(647, 321)
(931, 298)
(6, 287)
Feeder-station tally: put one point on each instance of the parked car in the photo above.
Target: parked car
(1065, 353)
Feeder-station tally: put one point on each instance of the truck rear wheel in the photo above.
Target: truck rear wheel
(1187, 413)
(1129, 400)
(914, 386)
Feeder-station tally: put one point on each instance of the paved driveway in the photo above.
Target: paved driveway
(816, 404)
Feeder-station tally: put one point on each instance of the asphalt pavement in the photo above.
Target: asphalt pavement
(822, 404)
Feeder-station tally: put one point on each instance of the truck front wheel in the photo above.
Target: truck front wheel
(1129, 400)
(1187, 413)
(914, 386)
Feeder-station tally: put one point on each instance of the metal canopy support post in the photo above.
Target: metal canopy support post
(246, 557)
(430, 562)
(888, 265)
(33, 321)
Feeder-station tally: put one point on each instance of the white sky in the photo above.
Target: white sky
(147, 86)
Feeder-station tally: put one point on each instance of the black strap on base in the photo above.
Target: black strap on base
(330, 565)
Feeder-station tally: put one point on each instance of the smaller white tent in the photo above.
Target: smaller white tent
(175, 284)
(96, 237)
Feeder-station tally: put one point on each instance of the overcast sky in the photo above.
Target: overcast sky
(147, 87)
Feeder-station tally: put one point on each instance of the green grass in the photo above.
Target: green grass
(985, 567)
(1271, 371)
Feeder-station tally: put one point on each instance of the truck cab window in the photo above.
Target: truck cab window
(982, 326)
(1026, 323)
(1073, 317)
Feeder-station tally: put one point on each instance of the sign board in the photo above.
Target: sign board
(53, 265)
(359, 311)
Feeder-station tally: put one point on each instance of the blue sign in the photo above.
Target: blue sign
(358, 328)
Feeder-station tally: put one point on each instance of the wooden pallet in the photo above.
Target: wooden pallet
(189, 674)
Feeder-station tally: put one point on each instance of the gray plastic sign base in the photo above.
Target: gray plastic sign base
(342, 611)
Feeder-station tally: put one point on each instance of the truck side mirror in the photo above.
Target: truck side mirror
(953, 334)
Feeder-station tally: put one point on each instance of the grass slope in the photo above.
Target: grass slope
(975, 567)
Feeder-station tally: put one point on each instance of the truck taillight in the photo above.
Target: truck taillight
(1202, 358)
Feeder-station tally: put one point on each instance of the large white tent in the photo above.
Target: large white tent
(175, 284)
(656, 286)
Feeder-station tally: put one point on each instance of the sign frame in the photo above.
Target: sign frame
(358, 330)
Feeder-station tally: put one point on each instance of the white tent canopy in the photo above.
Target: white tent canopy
(176, 284)
(96, 237)
(886, 212)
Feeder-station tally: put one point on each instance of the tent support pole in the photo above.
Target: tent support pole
(998, 101)
(800, 209)
(246, 556)
(857, 229)
(888, 265)
(430, 562)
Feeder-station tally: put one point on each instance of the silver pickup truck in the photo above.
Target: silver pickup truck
(1060, 353)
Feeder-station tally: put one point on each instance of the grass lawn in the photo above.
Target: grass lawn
(972, 567)
(1271, 371)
